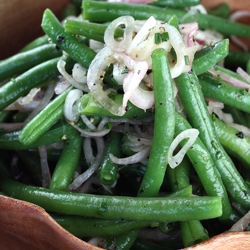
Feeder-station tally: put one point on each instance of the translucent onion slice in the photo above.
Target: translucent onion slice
(79, 73)
(119, 45)
(61, 68)
(142, 35)
(139, 156)
(176, 40)
(78, 181)
(70, 111)
(95, 77)
(191, 135)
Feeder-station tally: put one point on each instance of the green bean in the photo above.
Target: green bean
(141, 244)
(237, 59)
(91, 227)
(232, 140)
(90, 30)
(97, 12)
(35, 43)
(222, 10)
(106, 11)
(196, 110)
(70, 10)
(23, 61)
(44, 120)
(222, 25)
(176, 3)
(204, 166)
(67, 164)
(238, 115)
(57, 133)
(68, 43)
(164, 124)
(5, 115)
(116, 207)
(219, 90)
(32, 78)
(179, 176)
(87, 105)
(32, 164)
(108, 169)
(206, 58)
(192, 231)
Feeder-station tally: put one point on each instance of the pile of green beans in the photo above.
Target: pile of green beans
(210, 185)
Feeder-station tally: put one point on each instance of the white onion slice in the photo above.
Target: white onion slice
(61, 68)
(175, 39)
(121, 44)
(139, 156)
(46, 176)
(47, 96)
(79, 73)
(245, 130)
(241, 224)
(78, 181)
(141, 36)
(70, 111)
(95, 77)
(175, 160)
(244, 74)
(61, 85)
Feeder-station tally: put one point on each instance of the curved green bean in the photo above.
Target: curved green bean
(116, 207)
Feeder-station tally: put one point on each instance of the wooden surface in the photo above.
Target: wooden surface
(25, 226)
(20, 22)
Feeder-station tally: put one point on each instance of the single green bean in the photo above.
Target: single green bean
(116, 207)
(232, 140)
(195, 107)
(223, 10)
(239, 116)
(217, 89)
(164, 125)
(107, 11)
(22, 84)
(237, 59)
(36, 43)
(67, 164)
(90, 30)
(108, 169)
(91, 227)
(87, 105)
(222, 25)
(44, 120)
(176, 3)
(68, 43)
(206, 58)
(23, 61)
(32, 164)
(57, 133)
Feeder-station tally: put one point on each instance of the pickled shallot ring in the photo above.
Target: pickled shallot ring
(176, 41)
(61, 68)
(70, 112)
(95, 78)
(175, 160)
(142, 34)
(115, 44)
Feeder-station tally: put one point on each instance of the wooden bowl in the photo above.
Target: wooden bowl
(25, 226)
